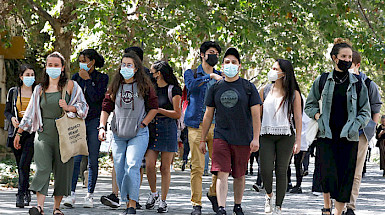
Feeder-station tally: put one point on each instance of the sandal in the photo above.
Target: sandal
(58, 212)
(36, 211)
(326, 211)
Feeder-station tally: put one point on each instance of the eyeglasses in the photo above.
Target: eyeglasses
(129, 65)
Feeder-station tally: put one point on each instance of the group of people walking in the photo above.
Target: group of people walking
(225, 115)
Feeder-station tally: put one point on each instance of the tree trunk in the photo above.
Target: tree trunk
(63, 45)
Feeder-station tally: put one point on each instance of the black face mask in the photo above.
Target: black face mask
(344, 65)
(212, 59)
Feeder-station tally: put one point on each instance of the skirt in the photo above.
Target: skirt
(163, 135)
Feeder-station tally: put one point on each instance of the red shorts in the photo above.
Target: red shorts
(229, 158)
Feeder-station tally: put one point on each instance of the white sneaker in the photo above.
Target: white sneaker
(88, 202)
(162, 207)
(277, 210)
(317, 193)
(152, 201)
(269, 203)
(69, 201)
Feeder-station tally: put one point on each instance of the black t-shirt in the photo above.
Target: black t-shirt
(339, 109)
(163, 100)
(232, 110)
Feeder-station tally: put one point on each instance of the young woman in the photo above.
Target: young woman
(345, 110)
(47, 105)
(17, 102)
(94, 85)
(133, 100)
(380, 135)
(282, 110)
(163, 132)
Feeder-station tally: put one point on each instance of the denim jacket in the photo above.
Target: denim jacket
(358, 108)
(197, 90)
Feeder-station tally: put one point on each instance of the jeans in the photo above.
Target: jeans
(93, 151)
(128, 155)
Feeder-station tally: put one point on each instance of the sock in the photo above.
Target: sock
(155, 194)
(90, 195)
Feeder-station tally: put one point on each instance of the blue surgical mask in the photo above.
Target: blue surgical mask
(127, 73)
(28, 80)
(84, 66)
(230, 70)
(53, 72)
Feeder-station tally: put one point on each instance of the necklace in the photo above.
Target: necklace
(341, 80)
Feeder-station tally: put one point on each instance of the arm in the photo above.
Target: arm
(63, 103)
(312, 108)
(379, 132)
(151, 102)
(174, 114)
(363, 108)
(8, 113)
(102, 125)
(256, 116)
(207, 119)
(375, 101)
(96, 92)
(262, 99)
(193, 83)
(298, 122)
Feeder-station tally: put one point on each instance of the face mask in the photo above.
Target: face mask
(84, 66)
(273, 75)
(127, 73)
(53, 72)
(344, 65)
(230, 70)
(351, 71)
(28, 80)
(212, 59)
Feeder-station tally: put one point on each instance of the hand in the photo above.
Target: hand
(202, 147)
(84, 74)
(316, 116)
(16, 142)
(22, 112)
(216, 76)
(15, 122)
(254, 145)
(297, 146)
(102, 134)
(63, 104)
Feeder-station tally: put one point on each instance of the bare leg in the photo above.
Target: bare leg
(40, 199)
(131, 204)
(115, 188)
(339, 208)
(222, 188)
(239, 187)
(166, 159)
(151, 157)
(57, 201)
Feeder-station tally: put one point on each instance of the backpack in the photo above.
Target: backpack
(324, 77)
(180, 122)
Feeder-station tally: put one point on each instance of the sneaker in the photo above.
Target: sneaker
(214, 202)
(69, 201)
(349, 212)
(88, 202)
(152, 200)
(138, 206)
(269, 203)
(305, 173)
(277, 210)
(27, 198)
(197, 210)
(129, 211)
(111, 200)
(221, 211)
(297, 190)
(289, 187)
(317, 193)
(20, 200)
(238, 210)
(257, 188)
(162, 207)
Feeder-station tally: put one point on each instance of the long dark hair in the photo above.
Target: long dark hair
(22, 69)
(144, 82)
(63, 77)
(167, 72)
(92, 54)
(290, 85)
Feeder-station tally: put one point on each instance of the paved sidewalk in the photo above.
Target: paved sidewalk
(371, 200)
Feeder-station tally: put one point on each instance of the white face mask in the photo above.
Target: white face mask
(273, 75)
(351, 71)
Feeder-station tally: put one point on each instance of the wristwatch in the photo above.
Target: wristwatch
(19, 134)
(101, 127)
(144, 125)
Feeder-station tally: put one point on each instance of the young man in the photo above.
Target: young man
(197, 82)
(236, 104)
(367, 133)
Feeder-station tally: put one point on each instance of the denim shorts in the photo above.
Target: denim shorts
(163, 135)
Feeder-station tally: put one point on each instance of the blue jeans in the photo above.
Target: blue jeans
(93, 151)
(128, 155)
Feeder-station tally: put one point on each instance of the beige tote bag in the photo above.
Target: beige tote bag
(72, 135)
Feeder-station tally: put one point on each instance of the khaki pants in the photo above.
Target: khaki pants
(361, 156)
(198, 163)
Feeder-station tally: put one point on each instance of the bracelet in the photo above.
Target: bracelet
(101, 127)
(19, 134)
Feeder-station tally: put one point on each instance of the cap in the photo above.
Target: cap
(234, 52)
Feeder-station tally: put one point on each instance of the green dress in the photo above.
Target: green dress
(47, 151)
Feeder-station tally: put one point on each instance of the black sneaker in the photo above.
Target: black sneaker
(27, 198)
(349, 212)
(257, 188)
(237, 210)
(305, 173)
(111, 200)
(138, 206)
(20, 200)
(296, 190)
(221, 211)
(197, 210)
(129, 211)
(214, 202)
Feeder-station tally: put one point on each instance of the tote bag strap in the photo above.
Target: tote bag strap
(63, 95)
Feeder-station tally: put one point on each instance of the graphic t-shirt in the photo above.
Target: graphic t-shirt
(233, 115)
